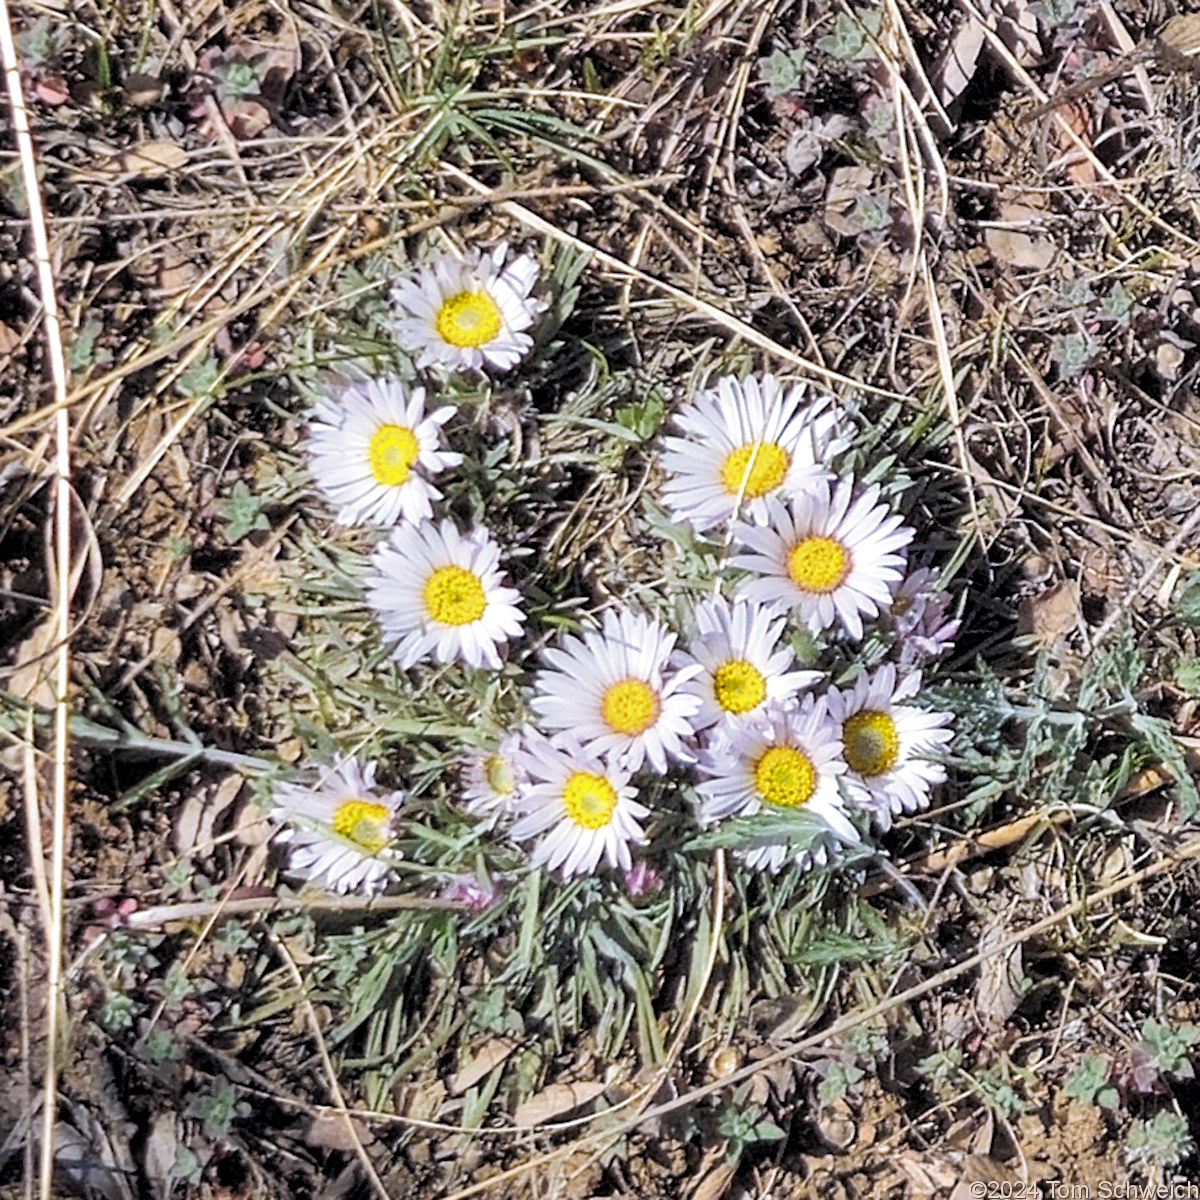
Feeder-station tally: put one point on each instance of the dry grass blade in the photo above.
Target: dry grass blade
(950, 391)
(62, 597)
(688, 198)
(1186, 852)
(1089, 155)
(697, 304)
(331, 1078)
(260, 906)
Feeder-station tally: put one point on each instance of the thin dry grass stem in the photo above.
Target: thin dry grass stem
(926, 140)
(330, 1071)
(261, 906)
(24, 971)
(250, 562)
(216, 120)
(602, 17)
(733, 325)
(329, 186)
(688, 1019)
(728, 184)
(950, 392)
(635, 256)
(33, 826)
(725, 140)
(1126, 45)
(1079, 446)
(972, 845)
(1103, 173)
(597, 533)
(218, 910)
(1183, 536)
(144, 469)
(1184, 853)
(914, 200)
(62, 594)
(312, 196)
(981, 476)
(413, 27)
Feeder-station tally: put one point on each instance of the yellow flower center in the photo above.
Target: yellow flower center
(818, 564)
(739, 686)
(454, 596)
(468, 319)
(392, 451)
(785, 776)
(872, 744)
(363, 823)
(589, 800)
(499, 774)
(630, 706)
(758, 467)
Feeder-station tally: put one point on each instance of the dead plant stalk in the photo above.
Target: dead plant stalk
(62, 587)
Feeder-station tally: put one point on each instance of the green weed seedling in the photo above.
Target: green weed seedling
(1073, 353)
(242, 513)
(838, 1080)
(219, 1109)
(1187, 600)
(201, 378)
(117, 1012)
(742, 1123)
(781, 71)
(1056, 14)
(1089, 1083)
(850, 41)
(237, 78)
(1162, 1141)
(1164, 1050)
(84, 352)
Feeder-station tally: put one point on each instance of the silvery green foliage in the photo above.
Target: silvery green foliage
(1162, 1141)
(1089, 1083)
(1166, 1050)
(851, 39)
(1073, 352)
(781, 71)
(1055, 13)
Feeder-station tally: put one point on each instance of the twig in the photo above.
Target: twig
(1168, 551)
(161, 914)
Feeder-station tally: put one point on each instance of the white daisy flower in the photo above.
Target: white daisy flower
(583, 801)
(918, 615)
(741, 665)
(439, 592)
(787, 758)
(611, 691)
(365, 446)
(493, 778)
(468, 313)
(338, 826)
(746, 441)
(886, 743)
(827, 555)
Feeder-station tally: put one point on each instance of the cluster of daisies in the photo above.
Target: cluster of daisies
(719, 707)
